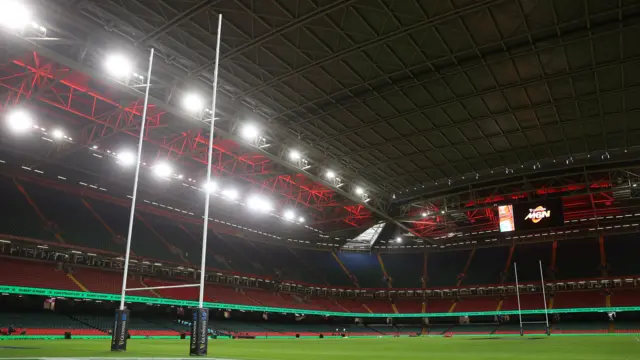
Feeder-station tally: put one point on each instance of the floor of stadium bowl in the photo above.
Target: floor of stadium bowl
(552, 348)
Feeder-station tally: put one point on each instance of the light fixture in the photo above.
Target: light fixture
(249, 132)
(359, 190)
(95, 147)
(126, 158)
(192, 102)
(210, 187)
(424, 214)
(19, 121)
(230, 194)
(399, 239)
(119, 66)
(330, 174)
(289, 215)
(294, 155)
(259, 203)
(162, 169)
(57, 134)
(14, 14)
(301, 219)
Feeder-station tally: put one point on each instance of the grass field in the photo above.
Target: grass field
(467, 348)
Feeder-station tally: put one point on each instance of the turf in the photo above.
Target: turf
(560, 348)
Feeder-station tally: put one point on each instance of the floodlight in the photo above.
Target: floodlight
(294, 155)
(192, 102)
(300, 219)
(210, 187)
(162, 169)
(399, 239)
(126, 158)
(19, 121)
(118, 65)
(289, 215)
(57, 134)
(249, 132)
(359, 190)
(14, 15)
(259, 203)
(331, 174)
(230, 194)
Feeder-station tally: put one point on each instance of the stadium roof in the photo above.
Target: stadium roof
(417, 107)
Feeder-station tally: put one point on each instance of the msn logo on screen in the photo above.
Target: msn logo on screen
(537, 214)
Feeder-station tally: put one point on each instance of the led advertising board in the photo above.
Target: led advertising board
(531, 216)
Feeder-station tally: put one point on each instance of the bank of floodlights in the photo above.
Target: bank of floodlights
(15, 15)
(192, 103)
(119, 66)
(289, 215)
(259, 203)
(162, 170)
(210, 187)
(58, 134)
(229, 194)
(332, 178)
(126, 158)
(19, 121)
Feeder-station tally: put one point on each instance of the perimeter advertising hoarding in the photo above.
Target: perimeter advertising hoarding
(531, 216)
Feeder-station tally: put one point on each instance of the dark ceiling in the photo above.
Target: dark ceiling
(405, 98)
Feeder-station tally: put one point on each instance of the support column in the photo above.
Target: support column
(507, 266)
(466, 266)
(603, 258)
(384, 271)
(424, 271)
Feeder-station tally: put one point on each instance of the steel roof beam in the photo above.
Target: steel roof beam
(196, 9)
(319, 158)
(31, 46)
(432, 21)
(272, 34)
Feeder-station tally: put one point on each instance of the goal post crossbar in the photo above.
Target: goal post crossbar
(163, 287)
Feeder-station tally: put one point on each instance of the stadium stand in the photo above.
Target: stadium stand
(486, 266)
(405, 270)
(34, 274)
(100, 225)
(621, 254)
(21, 219)
(446, 268)
(77, 225)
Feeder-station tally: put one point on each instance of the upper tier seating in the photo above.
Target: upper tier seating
(622, 255)
(487, 266)
(444, 269)
(144, 242)
(19, 218)
(365, 267)
(77, 224)
(405, 270)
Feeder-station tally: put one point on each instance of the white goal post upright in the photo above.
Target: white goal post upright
(544, 299)
(120, 330)
(200, 316)
(515, 269)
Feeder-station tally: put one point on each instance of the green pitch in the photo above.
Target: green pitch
(432, 348)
